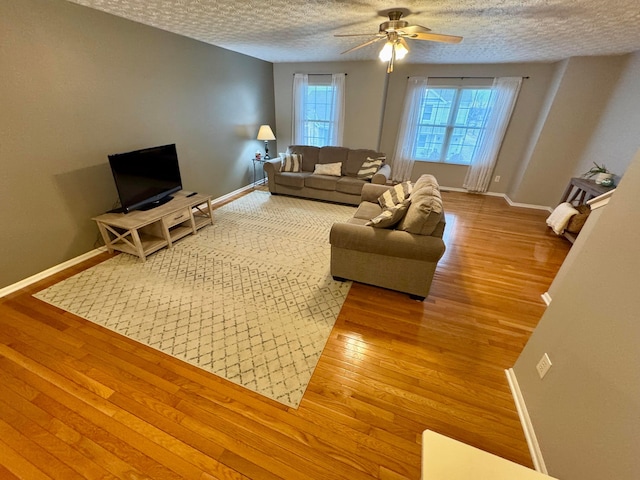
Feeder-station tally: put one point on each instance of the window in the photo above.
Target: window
(318, 109)
(450, 124)
(318, 112)
(459, 123)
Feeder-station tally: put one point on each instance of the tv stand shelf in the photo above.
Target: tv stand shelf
(143, 232)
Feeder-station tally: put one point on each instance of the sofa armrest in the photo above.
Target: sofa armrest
(383, 175)
(391, 243)
(270, 168)
(371, 192)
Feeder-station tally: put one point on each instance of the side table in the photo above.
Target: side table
(581, 190)
(259, 161)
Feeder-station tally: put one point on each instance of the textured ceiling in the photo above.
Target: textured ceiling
(494, 31)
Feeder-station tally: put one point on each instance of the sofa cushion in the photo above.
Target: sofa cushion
(369, 168)
(321, 182)
(367, 210)
(390, 216)
(350, 185)
(310, 155)
(398, 194)
(355, 159)
(425, 212)
(333, 155)
(289, 179)
(291, 162)
(425, 180)
(333, 169)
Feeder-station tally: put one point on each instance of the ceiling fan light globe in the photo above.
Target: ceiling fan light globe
(385, 53)
(401, 51)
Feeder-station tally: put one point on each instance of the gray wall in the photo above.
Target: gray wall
(585, 411)
(518, 132)
(559, 126)
(617, 135)
(77, 85)
(580, 94)
(364, 100)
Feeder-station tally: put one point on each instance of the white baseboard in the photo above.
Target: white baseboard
(230, 195)
(546, 298)
(503, 195)
(525, 420)
(50, 271)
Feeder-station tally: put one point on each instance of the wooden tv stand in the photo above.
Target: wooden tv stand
(144, 232)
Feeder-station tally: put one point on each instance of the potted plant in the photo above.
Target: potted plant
(598, 173)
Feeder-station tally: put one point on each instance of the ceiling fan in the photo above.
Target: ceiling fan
(395, 31)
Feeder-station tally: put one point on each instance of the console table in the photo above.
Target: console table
(143, 232)
(581, 190)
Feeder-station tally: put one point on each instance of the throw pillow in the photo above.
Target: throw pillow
(398, 194)
(425, 212)
(389, 217)
(333, 169)
(291, 162)
(369, 168)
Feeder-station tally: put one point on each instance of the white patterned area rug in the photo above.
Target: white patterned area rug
(250, 298)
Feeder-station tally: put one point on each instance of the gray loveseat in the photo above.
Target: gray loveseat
(345, 188)
(401, 257)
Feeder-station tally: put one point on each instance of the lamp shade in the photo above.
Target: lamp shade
(265, 133)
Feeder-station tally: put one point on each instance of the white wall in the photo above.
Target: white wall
(585, 411)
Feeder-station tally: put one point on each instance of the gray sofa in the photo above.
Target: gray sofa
(343, 189)
(393, 258)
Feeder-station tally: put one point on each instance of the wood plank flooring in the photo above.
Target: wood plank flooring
(79, 401)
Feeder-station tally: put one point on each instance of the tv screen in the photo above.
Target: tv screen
(146, 178)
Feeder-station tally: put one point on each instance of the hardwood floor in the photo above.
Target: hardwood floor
(78, 401)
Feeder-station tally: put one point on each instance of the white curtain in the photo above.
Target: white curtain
(337, 118)
(503, 98)
(300, 84)
(402, 164)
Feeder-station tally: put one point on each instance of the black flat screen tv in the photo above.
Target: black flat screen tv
(146, 178)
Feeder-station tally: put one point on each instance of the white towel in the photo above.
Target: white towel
(560, 217)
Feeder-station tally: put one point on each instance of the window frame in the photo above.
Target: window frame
(459, 85)
(316, 81)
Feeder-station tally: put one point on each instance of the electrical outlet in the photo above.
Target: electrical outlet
(497, 179)
(543, 365)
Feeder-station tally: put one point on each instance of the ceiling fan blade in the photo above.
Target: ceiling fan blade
(356, 35)
(435, 37)
(415, 29)
(374, 40)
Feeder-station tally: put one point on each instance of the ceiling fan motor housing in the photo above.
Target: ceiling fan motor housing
(393, 26)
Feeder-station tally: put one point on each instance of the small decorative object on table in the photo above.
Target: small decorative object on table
(258, 156)
(607, 182)
(599, 173)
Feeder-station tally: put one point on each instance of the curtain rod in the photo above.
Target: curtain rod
(462, 78)
(322, 74)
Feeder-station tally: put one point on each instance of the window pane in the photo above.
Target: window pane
(429, 143)
(436, 106)
(473, 107)
(463, 145)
